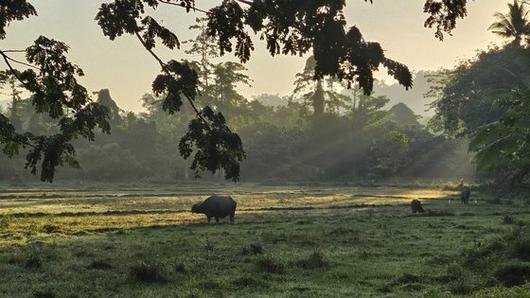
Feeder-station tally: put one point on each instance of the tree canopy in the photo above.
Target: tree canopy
(486, 99)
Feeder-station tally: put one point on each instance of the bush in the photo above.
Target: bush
(456, 272)
(247, 281)
(180, 268)
(460, 287)
(252, 249)
(508, 220)
(501, 260)
(521, 248)
(147, 272)
(513, 274)
(316, 260)
(99, 264)
(33, 260)
(44, 294)
(270, 265)
(408, 278)
(459, 279)
(209, 246)
(478, 256)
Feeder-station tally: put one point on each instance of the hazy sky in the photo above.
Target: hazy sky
(127, 69)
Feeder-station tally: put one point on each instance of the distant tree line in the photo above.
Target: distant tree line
(286, 142)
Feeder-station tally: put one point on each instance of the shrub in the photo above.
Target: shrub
(147, 272)
(99, 264)
(270, 265)
(209, 246)
(408, 278)
(43, 294)
(247, 281)
(252, 249)
(316, 260)
(521, 248)
(513, 274)
(478, 256)
(180, 268)
(33, 260)
(460, 287)
(501, 260)
(456, 272)
(508, 219)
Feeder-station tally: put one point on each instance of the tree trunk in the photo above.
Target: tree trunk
(317, 99)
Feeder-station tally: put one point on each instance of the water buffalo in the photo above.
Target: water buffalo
(416, 207)
(465, 192)
(217, 207)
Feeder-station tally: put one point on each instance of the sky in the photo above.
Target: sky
(125, 68)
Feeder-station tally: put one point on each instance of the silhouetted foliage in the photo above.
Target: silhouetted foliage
(515, 24)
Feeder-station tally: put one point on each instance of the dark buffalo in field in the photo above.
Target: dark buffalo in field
(416, 206)
(465, 192)
(216, 207)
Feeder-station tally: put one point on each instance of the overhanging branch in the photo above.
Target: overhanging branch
(163, 65)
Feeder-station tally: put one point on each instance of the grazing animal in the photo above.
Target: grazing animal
(216, 207)
(416, 206)
(465, 192)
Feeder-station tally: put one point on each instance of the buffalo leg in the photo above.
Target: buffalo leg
(209, 219)
(232, 218)
(217, 219)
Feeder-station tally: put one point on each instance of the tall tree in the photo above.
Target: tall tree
(104, 99)
(205, 47)
(513, 25)
(219, 81)
(13, 87)
(320, 94)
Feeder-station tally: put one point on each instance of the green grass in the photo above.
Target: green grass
(287, 241)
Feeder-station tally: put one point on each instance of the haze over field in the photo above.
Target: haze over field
(127, 70)
(181, 174)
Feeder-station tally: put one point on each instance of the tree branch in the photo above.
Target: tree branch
(162, 64)
(14, 60)
(14, 51)
(176, 4)
(245, 2)
(13, 71)
(164, 69)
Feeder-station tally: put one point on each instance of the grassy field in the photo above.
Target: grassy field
(287, 241)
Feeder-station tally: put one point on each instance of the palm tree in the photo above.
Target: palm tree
(515, 24)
